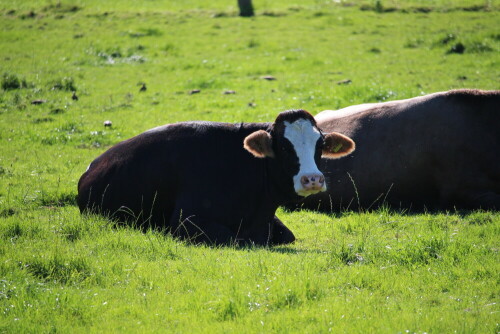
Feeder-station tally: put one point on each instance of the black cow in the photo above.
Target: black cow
(434, 152)
(212, 182)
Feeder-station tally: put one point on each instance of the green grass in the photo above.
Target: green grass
(356, 272)
(383, 271)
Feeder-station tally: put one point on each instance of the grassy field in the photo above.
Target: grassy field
(381, 271)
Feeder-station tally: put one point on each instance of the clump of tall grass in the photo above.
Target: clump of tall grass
(65, 83)
(11, 81)
(59, 269)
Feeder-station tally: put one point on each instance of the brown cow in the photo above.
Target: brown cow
(438, 151)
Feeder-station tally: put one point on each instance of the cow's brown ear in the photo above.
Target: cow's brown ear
(337, 145)
(259, 143)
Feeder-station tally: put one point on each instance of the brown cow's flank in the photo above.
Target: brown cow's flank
(432, 152)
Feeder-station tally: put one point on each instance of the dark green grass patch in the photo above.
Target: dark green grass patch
(480, 218)
(51, 200)
(11, 81)
(62, 8)
(7, 212)
(66, 83)
(57, 269)
(12, 231)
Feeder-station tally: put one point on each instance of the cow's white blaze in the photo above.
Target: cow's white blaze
(303, 136)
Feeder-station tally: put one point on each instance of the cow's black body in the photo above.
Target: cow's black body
(440, 151)
(198, 181)
(190, 178)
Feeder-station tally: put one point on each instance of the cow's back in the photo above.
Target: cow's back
(145, 176)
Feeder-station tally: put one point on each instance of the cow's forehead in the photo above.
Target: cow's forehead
(301, 131)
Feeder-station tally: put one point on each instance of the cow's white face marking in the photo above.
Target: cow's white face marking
(303, 136)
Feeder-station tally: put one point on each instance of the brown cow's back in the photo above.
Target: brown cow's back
(431, 152)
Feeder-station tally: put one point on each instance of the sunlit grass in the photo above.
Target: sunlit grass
(380, 271)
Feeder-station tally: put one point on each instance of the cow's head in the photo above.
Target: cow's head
(296, 145)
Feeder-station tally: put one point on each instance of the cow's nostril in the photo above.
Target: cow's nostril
(312, 181)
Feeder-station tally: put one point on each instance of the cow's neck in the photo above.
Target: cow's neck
(278, 189)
